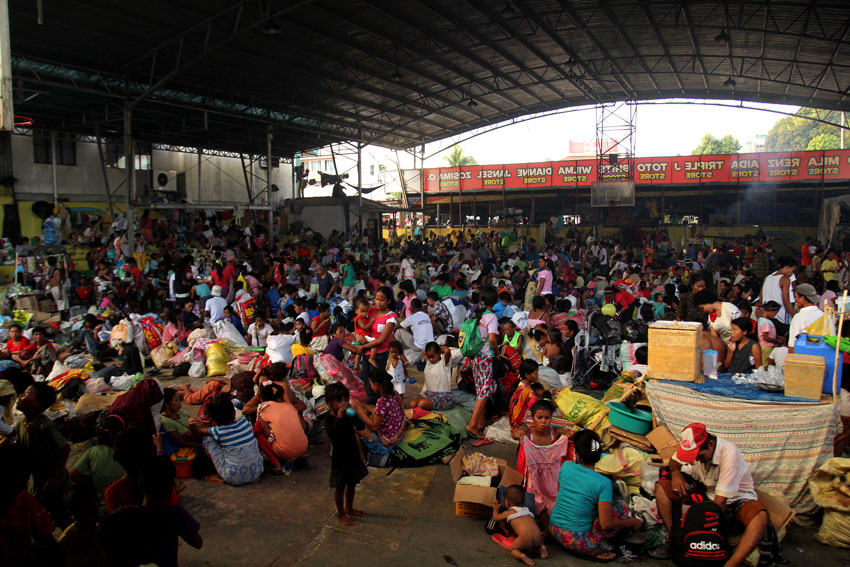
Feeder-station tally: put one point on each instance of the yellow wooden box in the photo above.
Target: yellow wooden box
(675, 350)
(804, 376)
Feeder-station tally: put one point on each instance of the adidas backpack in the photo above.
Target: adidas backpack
(700, 538)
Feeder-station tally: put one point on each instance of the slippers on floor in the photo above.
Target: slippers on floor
(504, 541)
(481, 442)
(472, 434)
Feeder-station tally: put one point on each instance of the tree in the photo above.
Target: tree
(709, 145)
(824, 142)
(457, 158)
(795, 133)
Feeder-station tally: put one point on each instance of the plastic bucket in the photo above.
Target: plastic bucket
(184, 462)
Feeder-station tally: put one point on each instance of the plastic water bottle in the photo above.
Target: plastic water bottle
(709, 363)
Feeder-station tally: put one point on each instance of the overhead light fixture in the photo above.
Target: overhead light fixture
(722, 36)
(472, 103)
(396, 76)
(571, 62)
(730, 82)
(271, 28)
(508, 10)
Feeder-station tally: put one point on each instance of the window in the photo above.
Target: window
(372, 170)
(115, 154)
(66, 148)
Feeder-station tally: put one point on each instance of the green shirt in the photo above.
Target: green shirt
(180, 426)
(99, 463)
(444, 290)
(45, 444)
(349, 280)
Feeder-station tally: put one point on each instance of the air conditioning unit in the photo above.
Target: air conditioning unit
(165, 180)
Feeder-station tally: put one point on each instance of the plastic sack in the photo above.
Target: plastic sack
(476, 464)
(162, 354)
(224, 329)
(623, 463)
(830, 489)
(96, 385)
(122, 382)
(245, 306)
(198, 369)
(217, 359)
(336, 371)
(152, 332)
(195, 335)
(582, 410)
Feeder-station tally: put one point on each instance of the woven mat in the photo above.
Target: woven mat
(633, 439)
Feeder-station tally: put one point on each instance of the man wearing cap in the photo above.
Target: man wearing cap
(806, 300)
(214, 307)
(706, 462)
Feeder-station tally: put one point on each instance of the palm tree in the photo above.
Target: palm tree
(457, 158)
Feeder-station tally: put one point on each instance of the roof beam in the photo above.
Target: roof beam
(799, 46)
(618, 27)
(577, 82)
(581, 26)
(689, 22)
(392, 10)
(650, 17)
(828, 67)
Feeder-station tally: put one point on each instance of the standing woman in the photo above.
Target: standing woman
(544, 276)
(482, 363)
(384, 323)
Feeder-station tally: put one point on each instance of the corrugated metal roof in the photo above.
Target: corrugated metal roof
(402, 72)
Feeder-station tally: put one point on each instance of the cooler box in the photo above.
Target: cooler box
(813, 345)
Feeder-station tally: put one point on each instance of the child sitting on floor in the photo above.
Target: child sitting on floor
(437, 392)
(347, 456)
(529, 538)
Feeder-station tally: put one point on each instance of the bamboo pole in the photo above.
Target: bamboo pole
(841, 312)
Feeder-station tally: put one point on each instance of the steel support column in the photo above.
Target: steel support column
(360, 187)
(269, 138)
(200, 153)
(130, 157)
(53, 165)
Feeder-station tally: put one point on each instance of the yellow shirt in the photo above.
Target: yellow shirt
(829, 268)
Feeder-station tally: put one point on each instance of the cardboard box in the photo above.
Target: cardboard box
(483, 496)
(47, 305)
(26, 303)
(675, 350)
(663, 441)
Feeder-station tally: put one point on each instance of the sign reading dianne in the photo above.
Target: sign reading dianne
(827, 165)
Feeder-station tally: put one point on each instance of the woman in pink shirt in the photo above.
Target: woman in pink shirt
(544, 276)
(384, 322)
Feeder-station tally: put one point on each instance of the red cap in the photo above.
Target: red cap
(693, 436)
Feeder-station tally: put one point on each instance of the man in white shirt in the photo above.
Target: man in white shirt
(415, 332)
(704, 462)
(806, 300)
(214, 307)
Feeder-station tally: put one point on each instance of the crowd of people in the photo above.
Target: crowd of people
(492, 312)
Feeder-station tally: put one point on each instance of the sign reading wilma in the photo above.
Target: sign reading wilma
(828, 165)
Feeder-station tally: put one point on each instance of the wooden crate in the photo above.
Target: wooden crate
(675, 350)
(804, 376)
(473, 510)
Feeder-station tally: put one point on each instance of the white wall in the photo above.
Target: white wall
(221, 177)
(325, 218)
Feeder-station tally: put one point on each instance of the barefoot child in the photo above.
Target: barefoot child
(529, 538)
(395, 367)
(523, 397)
(347, 458)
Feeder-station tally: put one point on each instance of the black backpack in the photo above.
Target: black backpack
(701, 537)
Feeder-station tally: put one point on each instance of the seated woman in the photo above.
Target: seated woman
(280, 430)
(176, 421)
(538, 316)
(385, 420)
(555, 352)
(585, 512)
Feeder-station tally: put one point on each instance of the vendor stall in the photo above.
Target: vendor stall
(783, 439)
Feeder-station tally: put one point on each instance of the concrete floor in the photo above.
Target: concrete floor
(411, 521)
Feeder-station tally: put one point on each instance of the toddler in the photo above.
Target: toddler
(529, 538)
(347, 457)
(395, 367)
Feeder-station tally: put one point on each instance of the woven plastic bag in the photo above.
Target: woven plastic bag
(162, 354)
(217, 359)
(830, 489)
(582, 410)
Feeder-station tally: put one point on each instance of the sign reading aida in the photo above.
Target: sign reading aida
(828, 165)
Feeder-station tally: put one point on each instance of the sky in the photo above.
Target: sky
(662, 129)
